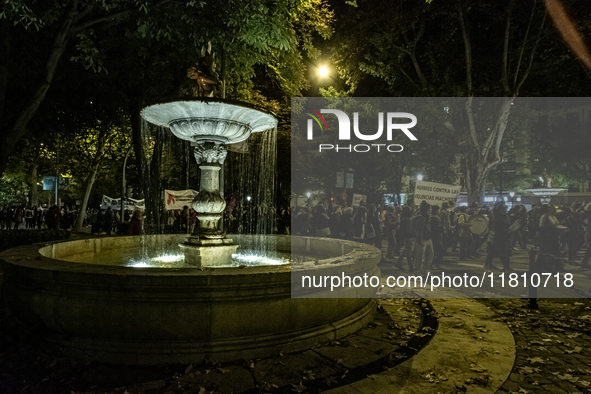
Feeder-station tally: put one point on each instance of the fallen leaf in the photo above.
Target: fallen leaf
(536, 360)
(329, 380)
(299, 388)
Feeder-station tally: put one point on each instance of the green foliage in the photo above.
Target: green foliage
(21, 14)
(331, 91)
(14, 187)
(88, 53)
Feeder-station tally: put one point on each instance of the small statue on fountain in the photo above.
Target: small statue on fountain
(205, 73)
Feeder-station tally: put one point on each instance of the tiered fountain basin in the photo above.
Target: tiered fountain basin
(210, 119)
(152, 316)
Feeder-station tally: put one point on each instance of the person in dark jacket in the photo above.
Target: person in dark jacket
(321, 222)
(407, 239)
(391, 224)
(108, 221)
(499, 238)
(421, 225)
(437, 236)
(373, 228)
(136, 224)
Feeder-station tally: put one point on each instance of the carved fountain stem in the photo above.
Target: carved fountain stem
(209, 204)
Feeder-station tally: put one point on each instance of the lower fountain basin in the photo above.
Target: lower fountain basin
(153, 316)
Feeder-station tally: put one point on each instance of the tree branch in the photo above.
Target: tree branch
(415, 62)
(106, 18)
(471, 124)
(505, 78)
(520, 57)
(532, 55)
(408, 77)
(499, 128)
(467, 47)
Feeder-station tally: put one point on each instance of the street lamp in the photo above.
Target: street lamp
(512, 194)
(420, 177)
(323, 71)
(248, 198)
(308, 194)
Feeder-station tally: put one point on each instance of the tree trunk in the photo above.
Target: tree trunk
(475, 183)
(100, 151)
(84, 205)
(34, 193)
(138, 140)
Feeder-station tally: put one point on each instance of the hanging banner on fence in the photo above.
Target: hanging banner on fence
(435, 193)
(115, 203)
(177, 199)
(357, 198)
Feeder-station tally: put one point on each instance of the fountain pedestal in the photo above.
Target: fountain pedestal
(209, 247)
(208, 252)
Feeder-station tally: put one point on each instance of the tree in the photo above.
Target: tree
(140, 56)
(445, 49)
(63, 19)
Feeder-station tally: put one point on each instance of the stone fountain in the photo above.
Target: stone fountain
(210, 125)
(121, 314)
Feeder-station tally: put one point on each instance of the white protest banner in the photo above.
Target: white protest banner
(177, 199)
(357, 198)
(435, 193)
(115, 203)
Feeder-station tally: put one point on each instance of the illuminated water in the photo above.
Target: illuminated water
(175, 259)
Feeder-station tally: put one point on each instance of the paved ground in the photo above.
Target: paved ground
(552, 353)
(445, 345)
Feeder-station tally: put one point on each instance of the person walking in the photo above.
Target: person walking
(17, 219)
(407, 239)
(436, 236)
(321, 222)
(391, 224)
(108, 220)
(549, 234)
(136, 223)
(464, 234)
(421, 225)
(499, 238)
(359, 221)
(587, 225)
(373, 234)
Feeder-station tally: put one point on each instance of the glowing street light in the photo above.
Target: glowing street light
(309, 194)
(248, 198)
(323, 71)
(420, 177)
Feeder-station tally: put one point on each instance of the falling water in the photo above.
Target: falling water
(250, 185)
(169, 164)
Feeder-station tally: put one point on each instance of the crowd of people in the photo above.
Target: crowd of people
(421, 237)
(418, 238)
(37, 218)
(64, 218)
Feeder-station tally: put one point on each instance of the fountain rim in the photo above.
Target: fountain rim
(29, 256)
(208, 100)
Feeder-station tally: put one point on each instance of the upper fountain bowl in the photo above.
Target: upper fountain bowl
(216, 120)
